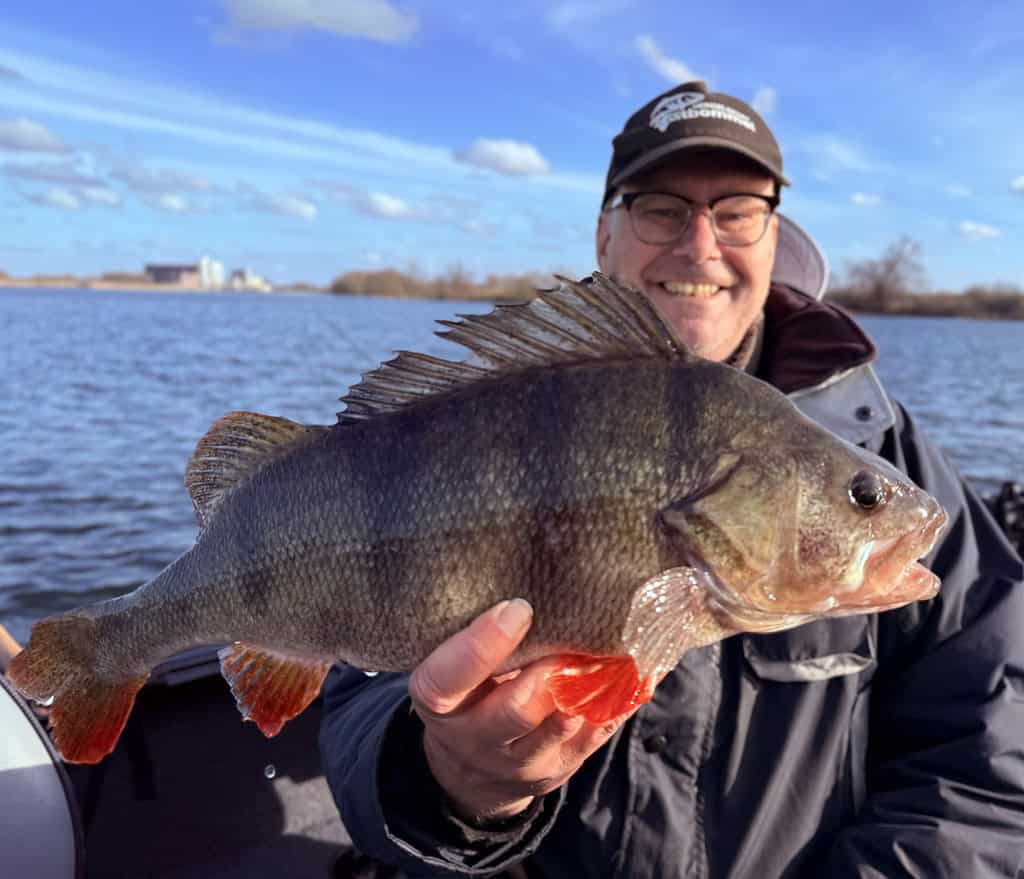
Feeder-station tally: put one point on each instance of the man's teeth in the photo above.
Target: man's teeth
(686, 288)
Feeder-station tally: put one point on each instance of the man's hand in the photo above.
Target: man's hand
(494, 745)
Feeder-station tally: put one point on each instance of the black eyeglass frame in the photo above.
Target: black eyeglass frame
(626, 199)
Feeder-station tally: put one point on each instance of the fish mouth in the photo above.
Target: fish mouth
(893, 577)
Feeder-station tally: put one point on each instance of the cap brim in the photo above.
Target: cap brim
(799, 261)
(659, 154)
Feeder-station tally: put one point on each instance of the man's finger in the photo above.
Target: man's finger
(512, 710)
(590, 737)
(441, 682)
(556, 729)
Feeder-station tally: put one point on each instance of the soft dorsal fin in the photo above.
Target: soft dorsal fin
(574, 322)
(236, 446)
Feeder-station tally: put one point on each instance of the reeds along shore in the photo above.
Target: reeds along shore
(990, 303)
(455, 284)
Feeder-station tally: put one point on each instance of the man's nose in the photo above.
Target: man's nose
(698, 242)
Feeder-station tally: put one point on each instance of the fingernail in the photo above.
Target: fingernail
(514, 617)
(572, 726)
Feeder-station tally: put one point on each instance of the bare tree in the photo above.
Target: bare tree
(876, 284)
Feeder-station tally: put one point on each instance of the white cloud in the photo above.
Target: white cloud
(978, 231)
(343, 193)
(1018, 184)
(866, 199)
(832, 154)
(764, 100)
(845, 155)
(159, 181)
(673, 70)
(388, 207)
(284, 203)
(372, 19)
(292, 206)
(57, 197)
(511, 157)
(958, 190)
(66, 172)
(26, 136)
(100, 195)
(479, 227)
(441, 208)
(172, 203)
(571, 13)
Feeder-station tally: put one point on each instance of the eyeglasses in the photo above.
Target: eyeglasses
(661, 218)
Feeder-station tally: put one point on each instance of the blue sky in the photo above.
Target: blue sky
(304, 138)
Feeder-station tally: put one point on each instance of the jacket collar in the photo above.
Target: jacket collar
(807, 343)
(821, 358)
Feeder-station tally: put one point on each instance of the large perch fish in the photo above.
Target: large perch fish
(644, 500)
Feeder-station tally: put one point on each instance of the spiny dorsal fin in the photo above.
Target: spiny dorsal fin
(236, 446)
(571, 323)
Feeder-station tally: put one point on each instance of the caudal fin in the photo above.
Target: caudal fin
(89, 707)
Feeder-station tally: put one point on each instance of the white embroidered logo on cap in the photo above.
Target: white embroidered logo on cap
(693, 105)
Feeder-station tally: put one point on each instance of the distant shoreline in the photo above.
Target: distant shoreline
(976, 304)
(79, 284)
(136, 286)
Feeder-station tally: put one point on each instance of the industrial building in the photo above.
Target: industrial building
(207, 274)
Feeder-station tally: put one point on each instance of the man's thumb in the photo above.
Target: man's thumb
(442, 681)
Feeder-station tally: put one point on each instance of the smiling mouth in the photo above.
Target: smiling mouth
(690, 289)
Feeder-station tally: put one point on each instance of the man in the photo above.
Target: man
(885, 745)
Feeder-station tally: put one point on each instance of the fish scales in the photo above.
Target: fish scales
(486, 500)
(643, 500)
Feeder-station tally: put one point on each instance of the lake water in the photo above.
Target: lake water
(103, 396)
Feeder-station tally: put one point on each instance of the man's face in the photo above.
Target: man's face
(710, 293)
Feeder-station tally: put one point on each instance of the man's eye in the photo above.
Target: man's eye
(736, 216)
(665, 213)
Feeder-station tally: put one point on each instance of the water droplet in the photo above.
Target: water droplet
(270, 770)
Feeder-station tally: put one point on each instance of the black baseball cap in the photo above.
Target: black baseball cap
(690, 117)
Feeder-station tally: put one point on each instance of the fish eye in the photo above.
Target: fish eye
(867, 490)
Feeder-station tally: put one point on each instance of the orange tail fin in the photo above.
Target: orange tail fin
(598, 688)
(269, 687)
(89, 709)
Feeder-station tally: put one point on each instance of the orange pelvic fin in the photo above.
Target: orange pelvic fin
(89, 710)
(270, 687)
(598, 688)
